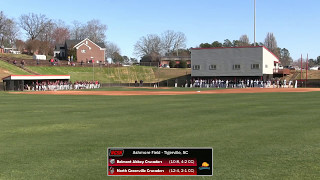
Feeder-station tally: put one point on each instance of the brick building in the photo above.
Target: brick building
(85, 50)
(166, 60)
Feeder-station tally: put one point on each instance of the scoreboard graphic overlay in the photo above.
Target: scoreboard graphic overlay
(159, 161)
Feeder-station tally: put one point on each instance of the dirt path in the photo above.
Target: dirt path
(133, 93)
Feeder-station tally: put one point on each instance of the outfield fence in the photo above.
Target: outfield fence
(310, 83)
(181, 81)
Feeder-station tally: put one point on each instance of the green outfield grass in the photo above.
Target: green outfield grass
(254, 136)
(106, 88)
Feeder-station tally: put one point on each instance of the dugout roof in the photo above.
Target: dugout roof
(36, 77)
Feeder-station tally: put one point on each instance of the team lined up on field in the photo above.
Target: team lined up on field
(218, 83)
(61, 85)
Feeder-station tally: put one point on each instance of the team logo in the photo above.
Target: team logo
(116, 152)
(112, 161)
(111, 170)
(204, 166)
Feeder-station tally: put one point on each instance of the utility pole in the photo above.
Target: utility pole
(307, 70)
(301, 69)
(92, 67)
(254, 23)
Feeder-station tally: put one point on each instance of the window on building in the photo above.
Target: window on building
(83, 51)
(255, 66)
(196, 67)
(236, 66)
(213, 67)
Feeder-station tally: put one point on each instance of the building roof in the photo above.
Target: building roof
(57, 47)
(71, 43)
(74, 42)
(37, 77)
(101, 46)
(237, 47)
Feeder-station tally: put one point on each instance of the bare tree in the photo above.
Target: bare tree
(46, 33)
(244, 40)
(111, 49)
(46, 39)
(20, 45)
(11, 31)
(180, 42)
(60, 35)
(93, 30)
(60, 32)
(3, 22)
(8, 30)
(172, 41)
(77, 31)
(270, 42)
(148, 45)
(32, 45)
(34, 24)
(96, 31)
(167, 40)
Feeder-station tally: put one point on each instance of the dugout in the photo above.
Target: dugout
(18, 82)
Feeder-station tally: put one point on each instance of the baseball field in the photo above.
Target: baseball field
(267, 135)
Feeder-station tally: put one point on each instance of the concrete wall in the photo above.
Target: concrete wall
(225, 59)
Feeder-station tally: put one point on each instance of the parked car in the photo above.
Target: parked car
(166, 66)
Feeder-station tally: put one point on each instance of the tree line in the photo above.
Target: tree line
(270, 42)
(44, 33)
(152, 46)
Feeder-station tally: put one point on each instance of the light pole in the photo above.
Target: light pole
(254, 24)
(92, 67)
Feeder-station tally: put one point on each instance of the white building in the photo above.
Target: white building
(234, 62)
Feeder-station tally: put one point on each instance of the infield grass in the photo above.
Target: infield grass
(254, 136)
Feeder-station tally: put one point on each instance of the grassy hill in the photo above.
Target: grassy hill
(169, 73)
(17, 56)
(105, 75)
(296, 75)
(6, 69)
(113, 75)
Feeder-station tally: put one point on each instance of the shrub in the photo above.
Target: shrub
(172, 64)
(183, 64)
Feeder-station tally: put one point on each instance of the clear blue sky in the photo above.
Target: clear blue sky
(295, 23)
